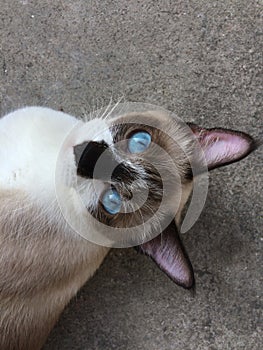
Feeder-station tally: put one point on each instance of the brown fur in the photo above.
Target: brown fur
(41, 269)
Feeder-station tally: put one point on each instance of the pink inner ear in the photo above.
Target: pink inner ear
(169, 254)
(223, 146)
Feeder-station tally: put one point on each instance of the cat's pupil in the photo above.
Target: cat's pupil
(139, 142)
(111, 201)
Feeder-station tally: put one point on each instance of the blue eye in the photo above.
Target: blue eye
(139, 142)
(111, 201)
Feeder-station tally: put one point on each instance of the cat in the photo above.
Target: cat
(59, 203)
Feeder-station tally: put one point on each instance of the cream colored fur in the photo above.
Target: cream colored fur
(43, 262)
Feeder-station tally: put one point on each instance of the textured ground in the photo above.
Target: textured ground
(203, 60)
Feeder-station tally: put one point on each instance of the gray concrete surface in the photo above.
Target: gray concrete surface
(203, 60)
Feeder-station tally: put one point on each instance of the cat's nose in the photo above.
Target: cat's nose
(95, 160)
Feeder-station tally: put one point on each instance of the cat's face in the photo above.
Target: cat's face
(132, 178)
(146, 162)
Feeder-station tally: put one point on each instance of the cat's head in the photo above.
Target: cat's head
(136, 174)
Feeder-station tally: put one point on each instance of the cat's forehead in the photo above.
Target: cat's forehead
(115, 129)
(151, 119)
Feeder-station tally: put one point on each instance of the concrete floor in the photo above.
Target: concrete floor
(202, 60)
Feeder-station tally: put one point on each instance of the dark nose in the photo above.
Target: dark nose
(95, 154)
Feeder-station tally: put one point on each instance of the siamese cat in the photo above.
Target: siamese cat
(52, 197)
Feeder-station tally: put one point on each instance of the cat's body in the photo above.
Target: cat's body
(43, 261)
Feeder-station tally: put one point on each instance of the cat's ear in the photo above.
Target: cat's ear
(169, 254)
(223, 146)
